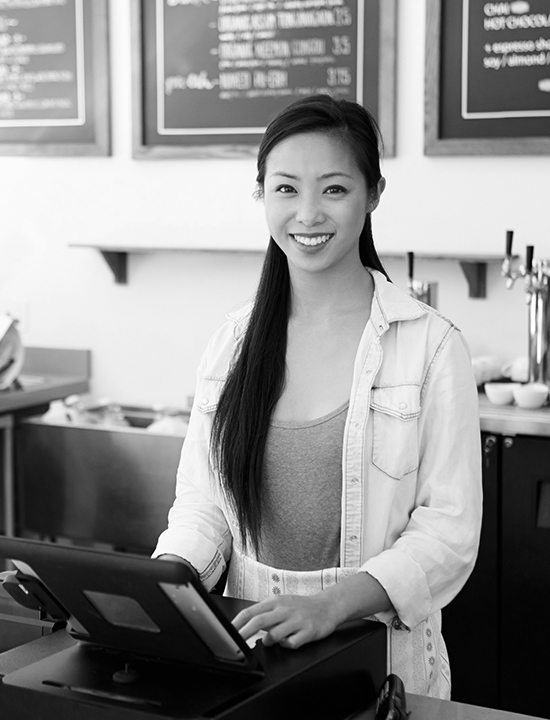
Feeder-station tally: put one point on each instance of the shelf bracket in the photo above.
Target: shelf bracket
(118, 262)
(476, 276)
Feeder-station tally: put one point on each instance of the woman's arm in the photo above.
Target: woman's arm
(293, 620)
(197, 525)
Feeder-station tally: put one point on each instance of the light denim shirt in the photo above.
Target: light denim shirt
(411, 460)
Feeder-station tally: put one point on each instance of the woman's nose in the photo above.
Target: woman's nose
(309, 212)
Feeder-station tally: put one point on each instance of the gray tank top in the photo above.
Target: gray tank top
(303, 493)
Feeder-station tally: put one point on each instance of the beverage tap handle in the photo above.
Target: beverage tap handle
(529, 258)
(509, 240)
(410, 259)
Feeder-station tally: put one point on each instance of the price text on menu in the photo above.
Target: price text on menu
(225, 67)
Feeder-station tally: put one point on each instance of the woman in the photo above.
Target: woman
(333, 451)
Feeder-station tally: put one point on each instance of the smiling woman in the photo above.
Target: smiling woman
(332, 460)
(316, 201)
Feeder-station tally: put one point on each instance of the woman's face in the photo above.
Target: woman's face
(316, 200)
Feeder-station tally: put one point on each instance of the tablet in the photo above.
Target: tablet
(156, 609)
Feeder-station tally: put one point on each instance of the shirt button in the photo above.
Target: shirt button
(403, 405)
(354, 480)
(204, 401)
(353, 538)
(357, 426)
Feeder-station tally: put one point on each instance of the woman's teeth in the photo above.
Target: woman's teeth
(308, 240)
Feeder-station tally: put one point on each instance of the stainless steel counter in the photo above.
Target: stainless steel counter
(48, 374)
(512, 420)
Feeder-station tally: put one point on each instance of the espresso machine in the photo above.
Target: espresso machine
(536, 274)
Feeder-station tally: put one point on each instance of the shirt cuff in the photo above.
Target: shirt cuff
(207, 560)
(406, 585)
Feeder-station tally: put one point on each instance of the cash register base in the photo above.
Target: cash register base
(330, 679)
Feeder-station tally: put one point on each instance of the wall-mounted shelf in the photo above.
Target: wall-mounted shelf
(474, 267)
(116, 257)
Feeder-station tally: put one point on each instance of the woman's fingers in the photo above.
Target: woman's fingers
(258, 617)
(288, 620)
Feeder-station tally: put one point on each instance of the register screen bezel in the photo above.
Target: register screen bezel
(158, 629)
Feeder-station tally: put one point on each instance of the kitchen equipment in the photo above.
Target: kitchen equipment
(418, 289)
(536, 274)
(12, 353)
(94, 481)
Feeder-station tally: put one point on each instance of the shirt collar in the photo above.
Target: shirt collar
(390, 304)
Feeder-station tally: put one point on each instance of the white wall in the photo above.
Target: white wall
(147, 336)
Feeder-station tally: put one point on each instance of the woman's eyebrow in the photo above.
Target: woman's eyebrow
(325, 176)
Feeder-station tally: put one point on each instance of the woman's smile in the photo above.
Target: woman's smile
(312, 239)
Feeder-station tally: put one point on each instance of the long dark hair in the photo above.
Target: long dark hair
(257, 375)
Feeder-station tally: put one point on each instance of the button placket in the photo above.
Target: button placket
(354, 511)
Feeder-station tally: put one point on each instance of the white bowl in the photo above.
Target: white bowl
(500, 393)
(531, 395)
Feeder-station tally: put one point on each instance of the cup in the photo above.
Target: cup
(530, 395)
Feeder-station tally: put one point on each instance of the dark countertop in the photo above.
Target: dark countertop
(423, 708)
(513, 420)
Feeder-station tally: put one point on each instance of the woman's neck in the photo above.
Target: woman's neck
(329, 296)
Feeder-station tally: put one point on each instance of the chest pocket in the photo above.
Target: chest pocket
(208, 394)
(395, 429)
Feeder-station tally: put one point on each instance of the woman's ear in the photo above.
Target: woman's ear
(375, 193)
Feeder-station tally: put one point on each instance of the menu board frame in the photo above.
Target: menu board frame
(97, 119)
(143, 49)
(435, 142)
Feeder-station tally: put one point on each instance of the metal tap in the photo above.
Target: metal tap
(423, 291)
(536, 274)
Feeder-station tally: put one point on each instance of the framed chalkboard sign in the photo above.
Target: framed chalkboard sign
(487, 77)
(209, 75)
(54, 87)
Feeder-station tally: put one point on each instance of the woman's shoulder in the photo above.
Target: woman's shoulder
(223, 343)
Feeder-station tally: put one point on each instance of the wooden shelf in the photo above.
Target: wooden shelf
(473, 266)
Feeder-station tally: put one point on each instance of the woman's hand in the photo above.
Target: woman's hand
(293, 620)
(289, 620)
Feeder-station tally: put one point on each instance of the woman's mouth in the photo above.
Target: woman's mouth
(310, 240)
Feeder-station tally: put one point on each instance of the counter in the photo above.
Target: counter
(513, 420)
(48, 374)
(422, 708)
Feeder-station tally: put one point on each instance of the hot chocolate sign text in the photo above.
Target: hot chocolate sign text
(506, 59)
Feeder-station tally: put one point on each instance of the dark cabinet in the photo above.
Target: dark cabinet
(496, 629)
(471, 621)
(525, 567)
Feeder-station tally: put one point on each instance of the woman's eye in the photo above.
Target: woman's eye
(335, 190)
(285, 189)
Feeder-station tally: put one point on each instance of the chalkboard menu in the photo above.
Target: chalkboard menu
(53, 77)
(488, 77)
(210, 74)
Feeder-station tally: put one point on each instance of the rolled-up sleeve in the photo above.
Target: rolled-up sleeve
(427, 565)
